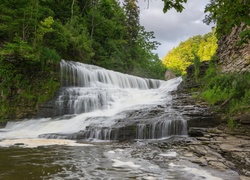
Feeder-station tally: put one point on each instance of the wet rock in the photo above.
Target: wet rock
(19, 144)
(197, 132)
(189, 154)
(203, 161)
(243, 119)
(197, 115)
(199, 150)
(47, 109)
(126, 133)
(218, 165)
(244, 178)
(211, 159)
(203, 121)
(190, 78)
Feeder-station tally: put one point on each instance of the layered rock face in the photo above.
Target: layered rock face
(233, 58)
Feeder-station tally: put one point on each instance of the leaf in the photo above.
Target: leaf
(245, 33)
(177, 5)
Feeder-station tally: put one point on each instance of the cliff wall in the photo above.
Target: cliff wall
(232, 57)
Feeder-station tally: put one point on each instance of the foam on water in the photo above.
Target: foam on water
(32, 143)
(196, 173)
(118, 163)
(93, 96)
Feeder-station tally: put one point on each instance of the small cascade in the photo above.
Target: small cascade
(167, 128)
(98, 133)
(161, 129)
(77, 100)
(90, 133)
(141, 131)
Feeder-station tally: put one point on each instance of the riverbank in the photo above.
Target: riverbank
(216, 143)
(219, 150)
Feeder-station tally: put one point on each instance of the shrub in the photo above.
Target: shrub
(230, 91)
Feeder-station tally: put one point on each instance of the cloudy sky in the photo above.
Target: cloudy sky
(172, 28)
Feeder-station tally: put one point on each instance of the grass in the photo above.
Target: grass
(230, 91)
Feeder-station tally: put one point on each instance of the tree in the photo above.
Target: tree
(132, 13)
(18, 18)
(225, 13)
(176, 4)
(180, 57)
(228, 14)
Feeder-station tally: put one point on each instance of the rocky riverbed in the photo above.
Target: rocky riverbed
(216, 149)
(212, 143)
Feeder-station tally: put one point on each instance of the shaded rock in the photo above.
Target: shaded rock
(19, 144)
(243, 119)
(169, 75)
(218, 165)
(244, 178)
(199, 149)
(211, 159)
(197, 132)
(48, 109)
(126, 133)
(190, 78)
(209, 121)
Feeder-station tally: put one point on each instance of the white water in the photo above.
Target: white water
(96, 93)
(97, 97)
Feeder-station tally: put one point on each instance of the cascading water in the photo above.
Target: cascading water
(101, 103)
(88, 88)
(98, 104)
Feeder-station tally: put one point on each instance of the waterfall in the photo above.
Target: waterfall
(141, 131)
(84, 75)
(167, 128)
(161, 129)
(104, 105)
(87, 87)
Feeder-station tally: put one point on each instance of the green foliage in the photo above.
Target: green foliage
(176, 4)
(196, 67)
(44, 27)
(229, 91)
(196, 47)
(228, 14)
(35, 35)
(49, 87)
(48, 56)
(16, 50)
(217, 95)
(23, 87)
(231, 123)
(244, 36)
(151, 69)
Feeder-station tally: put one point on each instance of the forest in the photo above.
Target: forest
(104, 33)
(182, 56)
(36, 35)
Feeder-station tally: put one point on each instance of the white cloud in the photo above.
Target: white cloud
(172, 28)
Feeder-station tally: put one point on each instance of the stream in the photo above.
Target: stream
(70, 160)
(103, 125)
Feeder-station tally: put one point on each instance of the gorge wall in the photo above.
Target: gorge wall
(232, 57)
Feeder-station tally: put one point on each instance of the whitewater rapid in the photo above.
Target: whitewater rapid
(89, 92)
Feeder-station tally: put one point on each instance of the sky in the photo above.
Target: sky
(172, 28)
